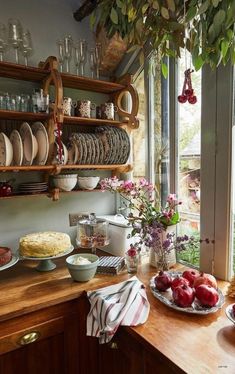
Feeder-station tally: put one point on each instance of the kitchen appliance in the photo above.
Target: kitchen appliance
(118, 232)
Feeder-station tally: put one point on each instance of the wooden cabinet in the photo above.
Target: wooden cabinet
(41, 342)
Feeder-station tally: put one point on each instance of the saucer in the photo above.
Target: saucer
(41, 136)
(17, 148)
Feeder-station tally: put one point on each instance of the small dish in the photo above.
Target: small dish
(229, 313)
(41, 136)
(6, 150)
(88, 183)
(30, 146)
(17, 148)
(84, 272)
(72, 153)
(65, 182)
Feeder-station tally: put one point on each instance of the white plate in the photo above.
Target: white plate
(196, 308)
(14, 260)
(17, 148)
(66, 252)
(28, 144)
(229, 312)
(72, 153)
(6, 150)
(41, 136)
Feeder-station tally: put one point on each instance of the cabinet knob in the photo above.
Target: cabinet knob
(29, 338)
(113, 345)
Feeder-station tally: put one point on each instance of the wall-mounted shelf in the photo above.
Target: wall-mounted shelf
(90, 121)
(23, 116)
(47, 193)
(22, 72)
(89, 84)
(55, 168)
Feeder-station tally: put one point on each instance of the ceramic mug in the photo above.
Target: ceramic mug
(108, 110)
(68, 104)
(84, 108)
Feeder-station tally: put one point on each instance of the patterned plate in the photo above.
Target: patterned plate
(84, 148)
(94, 158)
(196, 308)
(89, 148)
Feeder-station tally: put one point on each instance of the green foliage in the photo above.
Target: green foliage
(205, 27)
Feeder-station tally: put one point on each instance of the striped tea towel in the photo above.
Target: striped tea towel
(124, 304)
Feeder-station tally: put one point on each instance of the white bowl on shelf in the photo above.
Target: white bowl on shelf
(88, 183)
(65, 182)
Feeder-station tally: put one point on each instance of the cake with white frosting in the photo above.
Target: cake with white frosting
(44, 244)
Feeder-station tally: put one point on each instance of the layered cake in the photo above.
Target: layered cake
(44, 244)
(5, 255)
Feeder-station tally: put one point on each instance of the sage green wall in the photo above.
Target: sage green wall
(47, 20)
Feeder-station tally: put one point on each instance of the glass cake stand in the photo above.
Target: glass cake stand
(46, 263)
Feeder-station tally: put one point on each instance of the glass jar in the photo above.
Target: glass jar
(92, 232)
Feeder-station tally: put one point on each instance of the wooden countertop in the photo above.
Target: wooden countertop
(196, 344)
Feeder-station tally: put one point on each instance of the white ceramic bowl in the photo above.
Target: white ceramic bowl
(85, 272)
(6, 150)
(88, 183)
(65, 182)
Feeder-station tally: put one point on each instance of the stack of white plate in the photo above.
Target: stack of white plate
(32, 187)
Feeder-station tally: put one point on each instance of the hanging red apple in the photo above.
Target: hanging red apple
(207, 295)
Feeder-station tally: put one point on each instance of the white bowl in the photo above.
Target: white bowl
(6, 150)
(85, 272)
(88, 183)
(65, 182)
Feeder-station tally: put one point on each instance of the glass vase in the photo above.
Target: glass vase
(132, 263)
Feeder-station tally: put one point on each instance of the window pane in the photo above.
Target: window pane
(140, 136)
(160, 144)
(189, 150)
(233, 181)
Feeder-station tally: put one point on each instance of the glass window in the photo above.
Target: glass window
(189, 163)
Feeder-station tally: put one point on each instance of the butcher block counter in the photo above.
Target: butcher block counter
(43, 329)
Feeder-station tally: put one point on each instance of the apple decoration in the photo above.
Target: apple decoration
(183, 296)
(207, 279)
(162, 281)
(179, 281)
(187, 94)
(207, 295)
(191, 275)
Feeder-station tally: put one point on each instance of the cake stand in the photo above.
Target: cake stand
(14, 260)
(46, 263)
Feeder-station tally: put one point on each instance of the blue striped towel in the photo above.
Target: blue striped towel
(123, 304)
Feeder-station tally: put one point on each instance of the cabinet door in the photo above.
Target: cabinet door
(122, 355)
(32, 345)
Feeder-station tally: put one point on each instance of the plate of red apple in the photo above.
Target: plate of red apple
(230, 312)
(190, 291)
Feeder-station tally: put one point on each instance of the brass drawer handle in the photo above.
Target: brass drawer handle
(29, 338)
(113, 345)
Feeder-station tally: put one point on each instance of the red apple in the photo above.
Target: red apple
(207, 295)
(183, 296)
(191, 275)
(233, 309)
(162, 281)
(205, 278)
(179, 281)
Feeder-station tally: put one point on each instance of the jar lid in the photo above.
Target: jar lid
(92, 220)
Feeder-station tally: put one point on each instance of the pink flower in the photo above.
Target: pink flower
(132, 251)
(171, 198)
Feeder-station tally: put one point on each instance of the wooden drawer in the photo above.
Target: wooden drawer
(30, 334)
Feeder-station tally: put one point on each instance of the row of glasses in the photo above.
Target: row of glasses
(66, 48)
(17, 38)
(20, 103)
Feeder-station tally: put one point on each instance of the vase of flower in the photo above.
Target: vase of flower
(132, 259)
(159, 257)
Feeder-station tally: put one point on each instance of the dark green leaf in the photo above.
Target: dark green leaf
(197, 62)
(165, 13)
(144, 8)
(219, 19)
(224, 47)
(114, 16)
(155, 5)
(171, 5)
(164, 69)
(203, 8)
(191, 13)
(119, 3)
(215, 3)
(92, 20)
